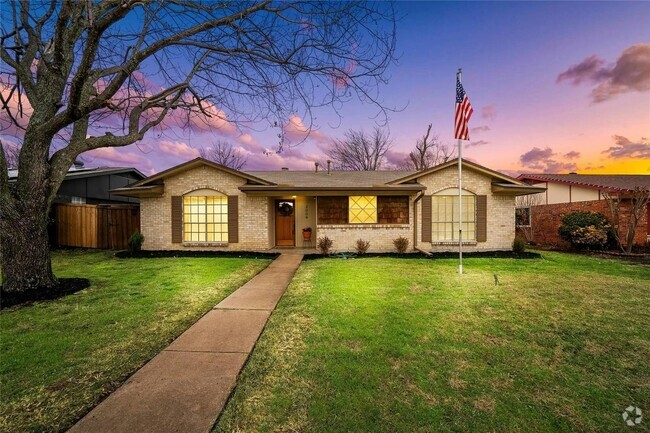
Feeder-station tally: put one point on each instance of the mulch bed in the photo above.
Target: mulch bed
(441, 255)
(165, 254)
(65, 286)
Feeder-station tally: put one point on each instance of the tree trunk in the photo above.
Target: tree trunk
(24, 247)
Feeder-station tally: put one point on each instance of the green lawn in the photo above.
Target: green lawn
(407, 345)
(59, 358)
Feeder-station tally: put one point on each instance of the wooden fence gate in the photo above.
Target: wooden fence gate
(107, 226)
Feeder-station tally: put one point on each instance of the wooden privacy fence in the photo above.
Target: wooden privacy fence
(96, 225)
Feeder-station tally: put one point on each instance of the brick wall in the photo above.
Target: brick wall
(380, 236)
(156, 212)
(500, 209)
(546, 219)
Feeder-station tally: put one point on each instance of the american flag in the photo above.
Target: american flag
(464, 111)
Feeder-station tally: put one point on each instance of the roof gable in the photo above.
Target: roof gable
(199, 162)
(453, 162)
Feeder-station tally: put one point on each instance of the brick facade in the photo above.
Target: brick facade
(256, 215)
(546, 219)
(500, 209)
(157, 220)
(380, 236)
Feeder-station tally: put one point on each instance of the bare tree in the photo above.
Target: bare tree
(524, 211)
(429, 152)
(81, 75)
(360, 151)
(225, 154)
(626, 210)
(11, 154)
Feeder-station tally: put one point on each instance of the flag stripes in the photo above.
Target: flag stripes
(464, 111)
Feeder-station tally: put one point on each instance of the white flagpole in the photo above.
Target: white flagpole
(460, 198)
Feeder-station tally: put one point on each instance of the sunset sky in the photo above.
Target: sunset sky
(556, 87)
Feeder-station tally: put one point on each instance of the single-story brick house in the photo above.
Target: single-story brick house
(200, 205)
(540, 215)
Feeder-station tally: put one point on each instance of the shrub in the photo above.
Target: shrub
(135, 242)
(589, 237)
(518, 246)
(401, 244)
(362, 246)
(586, 230)
(324, 244)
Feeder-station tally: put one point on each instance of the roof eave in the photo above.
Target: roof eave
(276, 191)
(140, 192)
(510, 189)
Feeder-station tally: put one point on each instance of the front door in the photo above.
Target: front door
(285, 223)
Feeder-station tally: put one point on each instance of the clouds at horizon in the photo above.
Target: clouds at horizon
(546, 161)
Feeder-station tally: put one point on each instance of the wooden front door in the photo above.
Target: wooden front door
(285, 223)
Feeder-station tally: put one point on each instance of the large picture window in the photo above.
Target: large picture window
(444, 218)
(362, 209)
(205, 218)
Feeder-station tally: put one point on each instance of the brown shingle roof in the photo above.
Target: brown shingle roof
(348, 179)
(619, 182)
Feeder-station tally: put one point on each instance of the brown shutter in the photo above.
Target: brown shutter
(426, 218)
(177, 219)
(233, 219)
(481, 218)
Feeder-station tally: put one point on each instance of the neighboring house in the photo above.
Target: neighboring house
(93, 185)
(540, 215)
(87, 214)
(200, 205)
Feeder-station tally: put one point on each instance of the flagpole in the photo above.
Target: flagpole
(460, 197)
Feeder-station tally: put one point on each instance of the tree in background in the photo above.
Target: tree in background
(429, 152)
(82, 75)
(631, 205)
(360, 151)
(225, 154)
(524, 216)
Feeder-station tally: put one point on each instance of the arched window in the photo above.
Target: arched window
(444, 216)
(205, 216)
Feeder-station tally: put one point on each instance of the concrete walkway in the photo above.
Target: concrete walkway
(185, 387)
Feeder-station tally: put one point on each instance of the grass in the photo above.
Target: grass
(59, 358)
(407, 345)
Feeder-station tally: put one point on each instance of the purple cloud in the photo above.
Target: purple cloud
(630, 73)
(545, 160)
(572, 155)
(489, 112)
(477, 143)
(625, 148)
(479, 129)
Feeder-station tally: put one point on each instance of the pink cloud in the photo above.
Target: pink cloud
(295, 131)
(113, 154)
(7, 126)
(178, 149)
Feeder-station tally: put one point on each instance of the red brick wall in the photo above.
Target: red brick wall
(546, 219)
